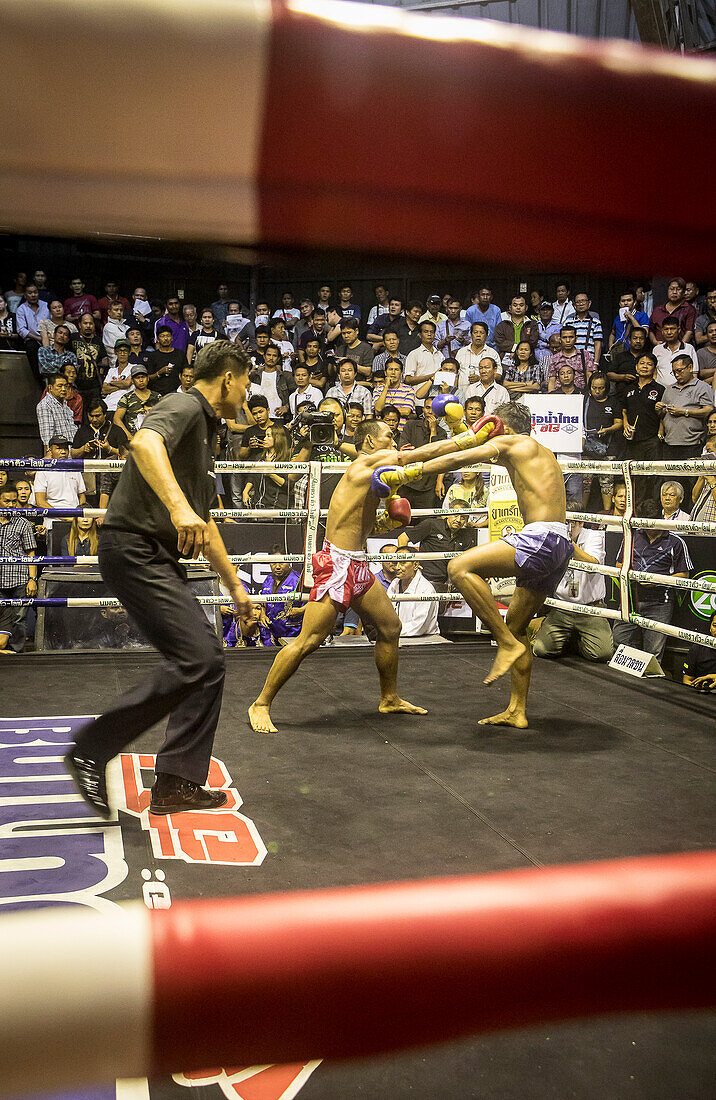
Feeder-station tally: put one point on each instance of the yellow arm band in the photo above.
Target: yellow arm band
(465, 441)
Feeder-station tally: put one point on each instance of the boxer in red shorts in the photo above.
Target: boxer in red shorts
(341, 574)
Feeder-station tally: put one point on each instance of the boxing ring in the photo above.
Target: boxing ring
(313, 513)
(352, 972)
(489, 947)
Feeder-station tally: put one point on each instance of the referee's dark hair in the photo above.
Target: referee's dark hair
(216, 358)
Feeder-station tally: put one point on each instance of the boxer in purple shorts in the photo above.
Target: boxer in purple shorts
(542, 553)
(537, 556)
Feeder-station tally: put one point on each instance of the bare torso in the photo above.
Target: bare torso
(536, 476)
(352, 511)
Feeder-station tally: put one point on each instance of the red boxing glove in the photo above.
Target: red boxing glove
(487, 427)
(399, 510)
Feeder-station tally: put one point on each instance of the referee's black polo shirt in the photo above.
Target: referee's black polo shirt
(188, 425)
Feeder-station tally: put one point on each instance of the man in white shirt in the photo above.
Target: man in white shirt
(58, 489)
(278, 337)
(563, 308)
(469, 357)
(488, 388)
(381, 307)
(271, 381)
(114, 330)
(592, 633)
(288, 312)
(419, 619)
(304, 391)
(425, 361)
(664, 353)
(672, 495)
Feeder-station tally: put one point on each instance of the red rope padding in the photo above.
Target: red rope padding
(353, 972)
(522, 149)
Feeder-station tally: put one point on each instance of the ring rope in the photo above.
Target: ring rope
(624, 575)
(351, 972)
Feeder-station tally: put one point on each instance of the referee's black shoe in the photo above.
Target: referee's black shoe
(173, 795)
(90, 780)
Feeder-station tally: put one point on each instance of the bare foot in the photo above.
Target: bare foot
(399, 706)
(260, 719)
(506, 657)
(506, 718)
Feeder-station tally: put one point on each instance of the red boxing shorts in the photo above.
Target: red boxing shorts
(342, 574)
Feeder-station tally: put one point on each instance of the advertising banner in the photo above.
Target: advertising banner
(504, 515)
(557, 421)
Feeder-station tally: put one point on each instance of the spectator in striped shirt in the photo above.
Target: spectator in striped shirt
(588, 327)
(16, 581)
(394, 392)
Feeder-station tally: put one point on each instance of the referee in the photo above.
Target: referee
(159, 512)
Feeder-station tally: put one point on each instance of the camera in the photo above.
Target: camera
(319, 424)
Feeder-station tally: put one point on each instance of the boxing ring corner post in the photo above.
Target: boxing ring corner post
(348, 973)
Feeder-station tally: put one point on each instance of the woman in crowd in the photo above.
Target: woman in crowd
(47, 325)
(524, 375)
(81, 540)
(602, 425)
(54, 358)
(9, 338)
(710, 444)
(74, 397)
(391, 417)
(271, 490)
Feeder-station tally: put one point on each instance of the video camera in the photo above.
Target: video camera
(321, 432)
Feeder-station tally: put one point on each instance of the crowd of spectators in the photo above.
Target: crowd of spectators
(645, 376)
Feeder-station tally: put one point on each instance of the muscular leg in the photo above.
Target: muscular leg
(524, 605)
(496, 559)
(377, 608)
(318, 622)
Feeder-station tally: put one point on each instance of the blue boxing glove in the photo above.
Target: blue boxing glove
(438, 403)
(378, 485)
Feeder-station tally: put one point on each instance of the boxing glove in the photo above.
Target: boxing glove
(398, 509)
(447, 405)
(486, 428)
(386, 479)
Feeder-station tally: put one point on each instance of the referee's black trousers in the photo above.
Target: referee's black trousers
(151, 585)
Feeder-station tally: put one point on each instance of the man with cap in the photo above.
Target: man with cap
(433, 312)
(547, 326)
(158, 514)
(59, 488)
(136, 403)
